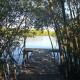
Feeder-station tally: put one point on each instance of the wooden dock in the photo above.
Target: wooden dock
(36, 49)
(41, 65)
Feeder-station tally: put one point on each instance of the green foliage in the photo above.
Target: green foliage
(7, 7)
(72, 30)
(2, 69)
(43, 16)
(27, 32)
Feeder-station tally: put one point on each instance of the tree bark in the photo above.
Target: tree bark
(57, 30)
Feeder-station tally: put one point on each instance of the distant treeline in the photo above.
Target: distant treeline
(25, 32)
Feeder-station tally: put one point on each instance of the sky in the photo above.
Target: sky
(67, 11)
(50, 29)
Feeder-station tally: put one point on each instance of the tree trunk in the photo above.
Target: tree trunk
(57, 30)
(50, 39)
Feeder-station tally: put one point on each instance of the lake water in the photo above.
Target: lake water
(34, 42)
(40, 42)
